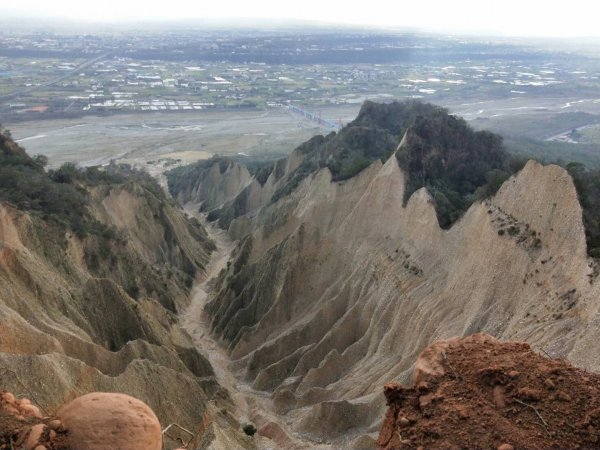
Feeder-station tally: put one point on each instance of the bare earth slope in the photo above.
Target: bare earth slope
(215, 182)
(338, 286)
(91, 314)
(477, 392)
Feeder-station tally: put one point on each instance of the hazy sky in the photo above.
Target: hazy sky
(508, 17)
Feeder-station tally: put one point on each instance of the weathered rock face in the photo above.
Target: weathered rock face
(225, 189)
(79, 315)
(478, 392)
(219, 430)
(211, 183)
(338, 286)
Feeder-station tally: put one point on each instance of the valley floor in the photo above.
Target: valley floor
(250, 405)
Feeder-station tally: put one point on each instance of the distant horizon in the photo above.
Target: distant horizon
(511, 19)
(39, 24)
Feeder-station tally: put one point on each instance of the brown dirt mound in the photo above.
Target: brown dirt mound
(102, 420)
(478, 392)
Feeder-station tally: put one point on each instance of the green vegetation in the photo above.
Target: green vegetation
(69, 198)
(249, 429)
(526, 137)
(442, 153)
(459, 166)
(58, 196)
(590, 135)
(587, 183)
(541, 125)
(554, 151)
(373, 135)
(456, 164)
(25, 184)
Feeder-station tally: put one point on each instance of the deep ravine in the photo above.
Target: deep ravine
(250, 405)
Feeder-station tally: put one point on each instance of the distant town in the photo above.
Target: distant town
(51, 75)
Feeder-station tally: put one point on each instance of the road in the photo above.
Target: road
(75, 71)
(559, 135)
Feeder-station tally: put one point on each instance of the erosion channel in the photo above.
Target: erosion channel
(249, 405)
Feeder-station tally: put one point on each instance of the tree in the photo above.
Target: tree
(41, 160)
(66, 173)
(249, 429)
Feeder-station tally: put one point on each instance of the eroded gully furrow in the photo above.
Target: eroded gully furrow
(250, 405)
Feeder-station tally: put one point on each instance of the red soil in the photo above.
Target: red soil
(477, 392)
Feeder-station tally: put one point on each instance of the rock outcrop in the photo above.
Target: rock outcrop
(111, 421)
(337, 286)
(98, 312)
(478, 392)
(212, 183)
(95, 421)
(226, 191)
(220, 430)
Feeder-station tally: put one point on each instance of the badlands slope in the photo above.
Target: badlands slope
(96, 313)
(337, 286)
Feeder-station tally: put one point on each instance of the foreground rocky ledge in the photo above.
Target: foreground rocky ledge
(90, 422)
(478, 392)
(110, 421)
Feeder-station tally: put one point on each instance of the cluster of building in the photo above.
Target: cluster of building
(109, 82)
